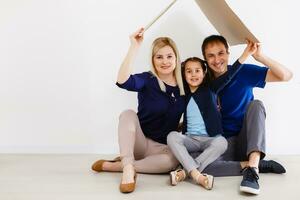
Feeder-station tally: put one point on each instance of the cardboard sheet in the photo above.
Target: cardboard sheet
(226, 21)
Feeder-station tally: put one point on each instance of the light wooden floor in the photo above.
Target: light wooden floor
(45, 177)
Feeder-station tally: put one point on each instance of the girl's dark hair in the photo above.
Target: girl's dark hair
(207, 78)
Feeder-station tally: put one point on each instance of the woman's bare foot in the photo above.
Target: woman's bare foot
(112, 166)
(128, 174)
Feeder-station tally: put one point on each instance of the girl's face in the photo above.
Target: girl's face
(193, 74)
(164, 61)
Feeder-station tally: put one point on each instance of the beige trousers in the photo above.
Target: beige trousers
(146, 155)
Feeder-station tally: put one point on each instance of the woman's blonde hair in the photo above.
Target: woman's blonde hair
(156, 46)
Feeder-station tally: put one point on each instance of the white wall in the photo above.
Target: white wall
(59, 60)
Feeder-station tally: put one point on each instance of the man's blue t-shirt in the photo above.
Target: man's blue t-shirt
(158, 112)
(236, 96)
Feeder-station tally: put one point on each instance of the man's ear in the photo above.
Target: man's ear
(206, 66)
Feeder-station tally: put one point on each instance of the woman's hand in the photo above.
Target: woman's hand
(137, 37)
(125, 69)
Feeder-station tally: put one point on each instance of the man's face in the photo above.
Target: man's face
(217, 57)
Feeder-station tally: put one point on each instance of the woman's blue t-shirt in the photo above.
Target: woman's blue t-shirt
(158, 112)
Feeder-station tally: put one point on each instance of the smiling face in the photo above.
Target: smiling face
(193, 74)
(164, 61)
(216, 57)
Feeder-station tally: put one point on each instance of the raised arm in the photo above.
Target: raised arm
(250, 49)
(277, 72)
(125, 70)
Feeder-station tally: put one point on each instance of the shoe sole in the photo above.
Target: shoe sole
(249, 190)
(212, 185)
(172, 179)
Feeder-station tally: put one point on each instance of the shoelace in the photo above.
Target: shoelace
(250, 174)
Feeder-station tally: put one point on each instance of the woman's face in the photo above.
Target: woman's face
(164, 61)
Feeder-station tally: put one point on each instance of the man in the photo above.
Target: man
(243, 118)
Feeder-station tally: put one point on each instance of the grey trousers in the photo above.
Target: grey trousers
(251, 138)
(182, 145)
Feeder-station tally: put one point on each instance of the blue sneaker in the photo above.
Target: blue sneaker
(270, 166)
(249, 183)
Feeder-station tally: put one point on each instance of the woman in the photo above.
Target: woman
(143, 135)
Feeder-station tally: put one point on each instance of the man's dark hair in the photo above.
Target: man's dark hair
(213, 39)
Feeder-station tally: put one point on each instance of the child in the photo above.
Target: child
(202, 126)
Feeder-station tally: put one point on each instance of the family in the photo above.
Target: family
(223, 128)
